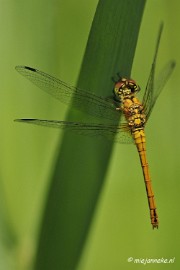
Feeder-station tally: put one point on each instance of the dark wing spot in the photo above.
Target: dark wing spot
(32, 69)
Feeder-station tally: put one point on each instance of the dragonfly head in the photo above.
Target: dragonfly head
(125, 88)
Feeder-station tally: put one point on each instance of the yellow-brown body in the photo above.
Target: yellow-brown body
(125, 92)
(134, 114)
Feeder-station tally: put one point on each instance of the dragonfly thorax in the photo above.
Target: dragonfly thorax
(136, 119)
(134, 113)
(125, 88)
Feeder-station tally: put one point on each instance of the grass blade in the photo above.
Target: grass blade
(82, 162)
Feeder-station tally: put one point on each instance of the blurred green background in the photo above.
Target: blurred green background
(51, 36)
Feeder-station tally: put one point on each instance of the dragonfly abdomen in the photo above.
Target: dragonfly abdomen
(140, 141)
(134, 113)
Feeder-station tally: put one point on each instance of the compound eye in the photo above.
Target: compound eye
(121, 86)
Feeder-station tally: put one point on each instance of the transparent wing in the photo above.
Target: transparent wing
(153, 89)
(82, 100)
(119, 134)
(159, 85)
(148, 95)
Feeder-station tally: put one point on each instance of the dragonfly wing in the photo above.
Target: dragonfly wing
(148, 95)
(82, 100)
(154, 88)
(119, 134)
(160, 83)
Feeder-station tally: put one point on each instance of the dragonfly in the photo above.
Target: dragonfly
(124, 105)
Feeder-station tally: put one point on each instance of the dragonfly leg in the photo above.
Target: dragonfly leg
(118, 109)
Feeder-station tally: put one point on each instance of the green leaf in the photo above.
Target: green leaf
(82, 162)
